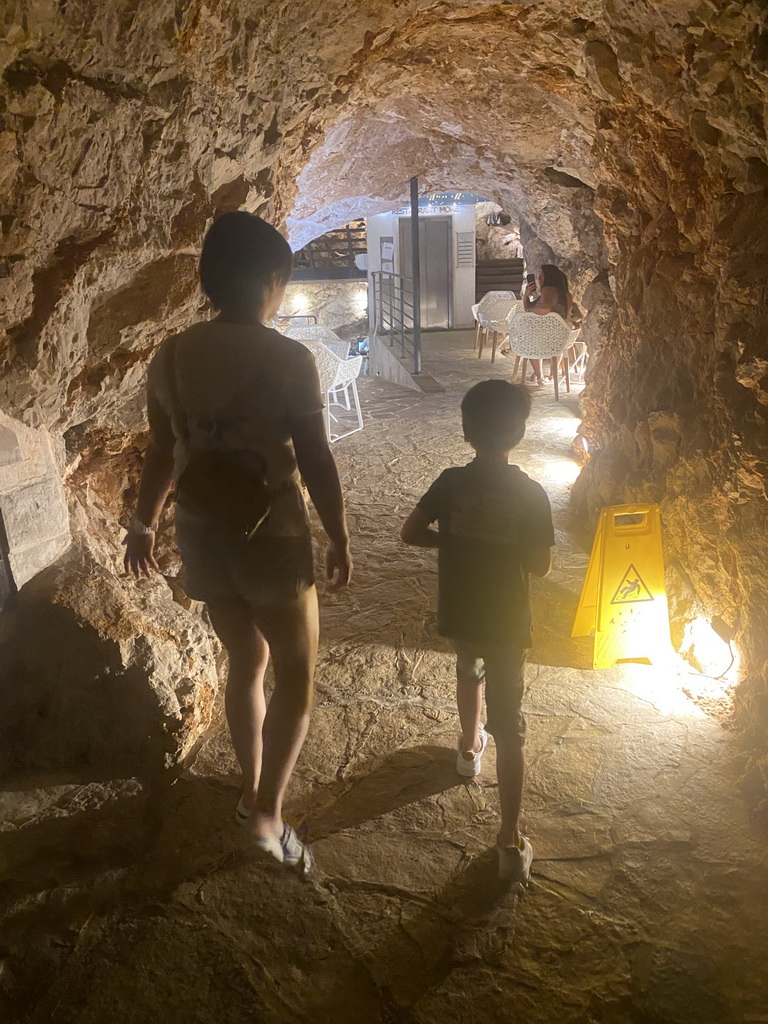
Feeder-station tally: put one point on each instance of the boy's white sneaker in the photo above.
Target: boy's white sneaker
(515, 862)
(470, 768)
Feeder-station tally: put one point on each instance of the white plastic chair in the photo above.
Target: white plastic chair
(580, 356)
(475, 308)
(496, 296)
(326, 362)
(338, 382)
(516, 307)
(343, 393)
(495, 314)
(486, 327)
(540, 337)
(321, 333)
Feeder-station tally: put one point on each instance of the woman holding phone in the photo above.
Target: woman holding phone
(553, 297)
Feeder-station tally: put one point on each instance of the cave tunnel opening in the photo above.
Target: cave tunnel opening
(628, 143)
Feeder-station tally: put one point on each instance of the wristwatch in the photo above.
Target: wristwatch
(136, 526)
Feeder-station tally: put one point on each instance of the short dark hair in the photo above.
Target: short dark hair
(242, 257)
(493, 414)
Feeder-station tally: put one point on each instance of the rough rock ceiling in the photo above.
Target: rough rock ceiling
(126, 126)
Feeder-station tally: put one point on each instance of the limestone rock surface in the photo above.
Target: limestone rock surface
(495, 242)
(110, 676)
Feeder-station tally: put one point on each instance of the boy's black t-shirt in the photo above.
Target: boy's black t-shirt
(489, 514)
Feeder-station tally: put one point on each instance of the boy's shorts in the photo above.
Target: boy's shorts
(501, 667)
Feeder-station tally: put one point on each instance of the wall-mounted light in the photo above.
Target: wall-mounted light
(711, 643)
(582, 449)
(678, 690)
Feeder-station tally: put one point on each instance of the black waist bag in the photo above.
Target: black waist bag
(217, 485)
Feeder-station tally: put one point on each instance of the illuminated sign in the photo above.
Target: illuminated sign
(442, 202)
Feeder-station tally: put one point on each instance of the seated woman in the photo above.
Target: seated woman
(554, 297)
(236, 421)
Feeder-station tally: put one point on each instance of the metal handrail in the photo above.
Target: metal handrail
(393, 307)
(307, 319)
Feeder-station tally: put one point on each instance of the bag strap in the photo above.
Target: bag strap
(178, 415)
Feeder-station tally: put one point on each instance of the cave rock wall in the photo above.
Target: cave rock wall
(629, 137)
(34, 522)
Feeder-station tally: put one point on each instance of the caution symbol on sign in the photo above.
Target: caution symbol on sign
(625, 610)
(631, 589)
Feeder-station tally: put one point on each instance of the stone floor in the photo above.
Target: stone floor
(126, 903)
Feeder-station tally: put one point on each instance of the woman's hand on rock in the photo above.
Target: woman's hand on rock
(338, 564)
(139, 554)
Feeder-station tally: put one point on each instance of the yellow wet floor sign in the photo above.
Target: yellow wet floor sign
(624, 598)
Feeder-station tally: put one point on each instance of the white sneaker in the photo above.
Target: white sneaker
(469, 769)
(515, 862)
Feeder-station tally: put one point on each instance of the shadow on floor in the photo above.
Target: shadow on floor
(471, 920)
(81, 856)
(403, 778)
(554, 610)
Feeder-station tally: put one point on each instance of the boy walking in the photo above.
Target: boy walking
(494, 528)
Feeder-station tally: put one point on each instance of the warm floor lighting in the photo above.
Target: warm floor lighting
(555, 435)
(661, 685)
(673, 687)
(560, 471)
(565, 427)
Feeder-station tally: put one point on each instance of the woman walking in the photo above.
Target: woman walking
(236, 422)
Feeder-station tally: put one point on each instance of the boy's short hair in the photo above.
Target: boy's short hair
(242, 257)
(493, 414)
